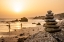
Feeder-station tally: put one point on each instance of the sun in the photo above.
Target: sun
(17, 7)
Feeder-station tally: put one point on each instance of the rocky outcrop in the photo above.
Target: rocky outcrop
(39, 17)
(59, 16)
(46, 37)
(41, 37)
(38, 24)
(24, 19)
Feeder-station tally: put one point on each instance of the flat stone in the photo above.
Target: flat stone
(49, 14)
(51, 26)
(52, 30)
(50, 20)
(49, 17)
(51, 23)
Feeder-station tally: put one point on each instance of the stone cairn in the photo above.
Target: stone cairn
(50, 25)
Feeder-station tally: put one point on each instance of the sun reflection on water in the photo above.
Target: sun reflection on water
(18, 25)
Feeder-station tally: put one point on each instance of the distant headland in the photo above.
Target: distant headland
(57, 16)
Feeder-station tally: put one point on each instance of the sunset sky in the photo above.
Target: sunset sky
(29, 8)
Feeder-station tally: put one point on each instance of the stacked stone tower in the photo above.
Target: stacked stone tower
(50, 25)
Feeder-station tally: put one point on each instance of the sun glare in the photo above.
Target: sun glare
(17, 7)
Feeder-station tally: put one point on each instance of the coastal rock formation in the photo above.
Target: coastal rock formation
(59, 16)
(16, 20)
(24, 19)
(39, 17)
(46, 37)
(41, 37)
(38, 24)
(50, 25)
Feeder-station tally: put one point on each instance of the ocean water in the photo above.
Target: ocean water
(17, 25)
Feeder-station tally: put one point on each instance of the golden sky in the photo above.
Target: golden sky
(27, 8)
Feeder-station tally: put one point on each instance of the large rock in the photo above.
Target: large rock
(24, 19)
(41, 37)
(46, 37)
